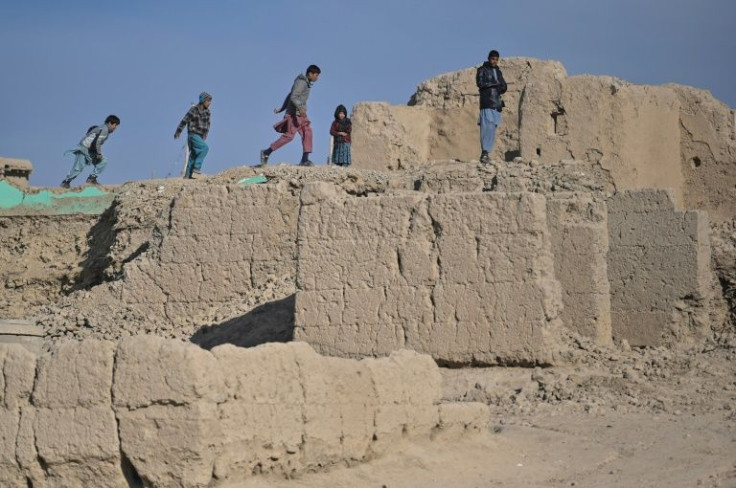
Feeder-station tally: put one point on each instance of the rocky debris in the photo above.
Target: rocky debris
(442, 176)
(595, 379)
(36, 271)
(71, 319)
(536, 177)
(353, 181)
(723, 255)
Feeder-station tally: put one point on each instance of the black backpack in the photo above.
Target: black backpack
(93, 144)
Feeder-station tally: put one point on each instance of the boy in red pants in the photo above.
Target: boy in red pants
(296, 119)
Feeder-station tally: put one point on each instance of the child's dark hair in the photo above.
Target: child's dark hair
(112, 119)
(341, 108)
(313, 68)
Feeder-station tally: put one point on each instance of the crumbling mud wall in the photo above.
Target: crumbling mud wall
(169, 259)
(153, 412)
(659, 269)
(217, 263)
(579, 231)
(645, 136)
(441, 120)
(466, 278)
(631, 130)
(40, 256)
(707, 153)
(723, 264)
(219, 243)
(15, 171)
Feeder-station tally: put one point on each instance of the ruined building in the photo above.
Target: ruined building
(595, 221)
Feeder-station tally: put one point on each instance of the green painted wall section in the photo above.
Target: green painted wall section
(253, 180)
(90, 200)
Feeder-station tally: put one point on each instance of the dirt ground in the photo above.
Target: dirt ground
(621, 450)
(612, 417)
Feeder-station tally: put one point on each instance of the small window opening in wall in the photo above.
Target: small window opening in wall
(695, 162)
(539, 151)
(559, 122)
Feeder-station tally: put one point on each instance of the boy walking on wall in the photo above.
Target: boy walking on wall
(197, 121)
(296, 119)
(89, 151)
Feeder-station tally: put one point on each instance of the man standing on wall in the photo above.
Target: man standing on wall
(197, 122)
(491, 85)
(296, 119)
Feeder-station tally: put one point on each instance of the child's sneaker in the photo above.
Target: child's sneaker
(264, 158)
(92, 180)
(484, 158)
(66, 184)
(306, 163)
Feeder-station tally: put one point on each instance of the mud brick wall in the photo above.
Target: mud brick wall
(221, 243)
(153, 412)
(38, 255)
(466, 278)
(658, 267)
(579, 229)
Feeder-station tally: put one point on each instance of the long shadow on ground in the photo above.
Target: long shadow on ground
(270, 322)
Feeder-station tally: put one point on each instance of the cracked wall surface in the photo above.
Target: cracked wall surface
(667, 136)
(202, 259)
(466, 278)
(220, 243)
(579, 229)
(39, 254)
(155, 412)
(659, 269)
(163, 262)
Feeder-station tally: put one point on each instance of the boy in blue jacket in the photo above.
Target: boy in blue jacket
(89, 151)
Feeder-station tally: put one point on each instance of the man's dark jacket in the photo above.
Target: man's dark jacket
(491, 85)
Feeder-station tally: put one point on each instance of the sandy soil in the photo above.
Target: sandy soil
(622, 450)
(611, 417)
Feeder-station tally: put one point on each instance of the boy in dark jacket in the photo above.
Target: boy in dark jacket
(89, 151)
(296, 119)
(491, 85)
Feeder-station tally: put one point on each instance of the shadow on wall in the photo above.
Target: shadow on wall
(270, 322)
(509, 156)
(97, 258)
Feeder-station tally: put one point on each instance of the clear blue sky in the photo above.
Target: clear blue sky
(66, 65)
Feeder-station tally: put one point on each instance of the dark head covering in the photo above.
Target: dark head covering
(341, 108)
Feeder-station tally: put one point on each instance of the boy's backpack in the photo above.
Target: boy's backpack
(93, 144)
